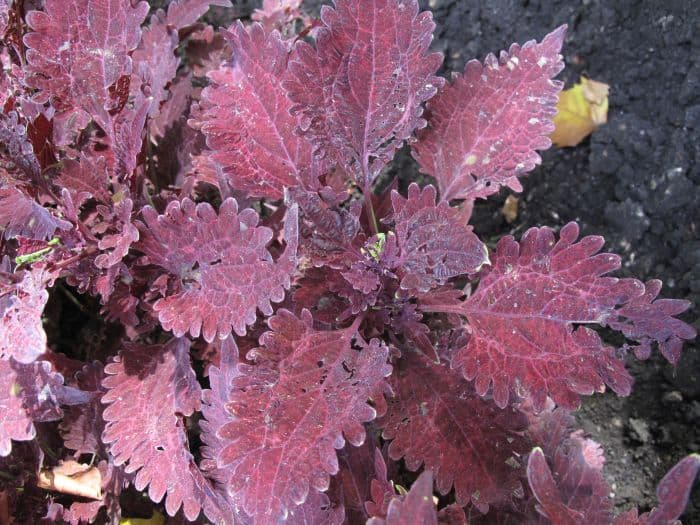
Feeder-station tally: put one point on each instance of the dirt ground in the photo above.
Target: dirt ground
(636, 181)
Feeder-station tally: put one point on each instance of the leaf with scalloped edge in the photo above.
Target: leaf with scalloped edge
(77, 49)
(570, 488)
(359, 91)
(22, 334)
(523, 312)
(183, 13)
(436, 419)
(20, 215)
(416, 507)
(574, 488)
(244, 115)
(306, 395)
(28, 393)
(149, 389)
(221, 262)
(484, 128)
(279, 15)
(435, 242)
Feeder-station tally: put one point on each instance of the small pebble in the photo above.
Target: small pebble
(674, 396)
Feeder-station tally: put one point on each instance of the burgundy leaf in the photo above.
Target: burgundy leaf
(183, 13)
(214, 407)
(647, 319)
(78, 48)
(416, 507)
(363, 479)
(359, 91)
(22, 215)
(279, 15)
(149, 388)
(155, 61)
(576, 480)
(18, 147)
(289, 413)
(381, 490)
(673, 492)
(84, 179)
(545, 489)
(22, 335)
(224, 268)
(327, 228)
(523, 313)
(82, 425)
(30, 392)
(245, 116)
(484, 128)
(115, 246)
(436, 244)
(318, 509)
(437, 420)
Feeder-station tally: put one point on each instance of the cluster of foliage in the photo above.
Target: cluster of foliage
(276, 341)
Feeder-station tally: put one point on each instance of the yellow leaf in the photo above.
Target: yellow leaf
(156, 519)
(580, 111)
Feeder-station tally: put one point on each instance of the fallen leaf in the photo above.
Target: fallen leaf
(581, 109)
(510, 209)
(156, 519)
(71, 477)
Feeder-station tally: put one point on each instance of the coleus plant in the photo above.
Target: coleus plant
(278, 339)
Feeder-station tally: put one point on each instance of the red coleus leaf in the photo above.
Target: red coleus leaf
(437, 420)
(79, 48)
(245, 116)
(279, 15)
(82, 426)
(523, 313)
(359, 91)
(570, 487)
(183, 13)
(149, 388)
(22, 334)
(435, 242)
(221, 261)
(307, 395)
(484, 128)
(415, 507)
(574, 490)
(672, 494)
(22, 215)
(85, 178)
(318, 509)
(28, 393)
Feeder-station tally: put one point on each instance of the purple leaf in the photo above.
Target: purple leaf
(22, 335)
(84, 179)
(78, 49)
(416, 507)
(359, 91)
(149, 388)
(183, 13)
(30, 392)
(306, 395)
(245, 116)
(484, 128)
(437, 420)
(20, 215)
(279, 15)
(435, 242)
(224, 269)
(523, 313)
